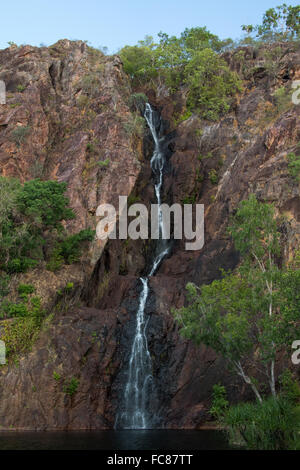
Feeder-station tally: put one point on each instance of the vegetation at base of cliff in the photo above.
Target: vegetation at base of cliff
(193, 61)
(251, 314)
(273, 424)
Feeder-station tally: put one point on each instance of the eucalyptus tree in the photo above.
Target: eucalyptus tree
(248, 316)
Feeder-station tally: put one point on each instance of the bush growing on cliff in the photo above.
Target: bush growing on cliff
(29, 213)
(211, 84)
(71, 386)
(279, 24)
(270, 425)
(294, 165)
(19, 335)
(273, 424)
(189, 61)
(248, 316)
(135, 125)
(19, 134)
(44, 203)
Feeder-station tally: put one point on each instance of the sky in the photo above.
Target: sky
(115, 23)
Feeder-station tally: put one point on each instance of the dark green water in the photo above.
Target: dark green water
(114, 440)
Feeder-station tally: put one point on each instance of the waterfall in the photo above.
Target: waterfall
(139, 384)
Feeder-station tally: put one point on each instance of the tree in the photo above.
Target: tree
(279, 24)
(27, 212)
(211, 84)
(249, 315)
(45, 203)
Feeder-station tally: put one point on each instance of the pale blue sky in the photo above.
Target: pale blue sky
(114, 23)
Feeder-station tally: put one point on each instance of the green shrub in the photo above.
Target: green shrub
(189, 199)
(26, 212)
(103, 163)
(219, 402)
(135, 125)
(69, 287)
(21, 88)
(138, 101)
(28, 308)
(4, 283)
(68, 250)
(10, 309)
(290, 388)
(294, 165)
(56, 376)
(283, 100)
(70, 247)
(19, 335)
(211, 84)
(273, 424)
(45, 203)
(19, 134)
(25, 289)
(70, 388)
(56, 259)
(213, 176)
(203, 157)
(191, 60)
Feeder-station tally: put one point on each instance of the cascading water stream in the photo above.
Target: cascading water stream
(140, 381)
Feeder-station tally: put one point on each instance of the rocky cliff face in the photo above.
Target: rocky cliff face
(74, 97)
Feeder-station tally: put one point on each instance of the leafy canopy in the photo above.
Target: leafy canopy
(249, 315)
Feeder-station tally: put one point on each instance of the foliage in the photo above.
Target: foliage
(56, 376)
(19, 134)
(279, 24)
(289, 388)
(28, 308)
(103, 163)
(273, 424)
(138, 101)
(25, 289)
(213, 177)
(135, 125)
(219, 402)
(211, 84)
(70, 388)
(249, 315)
(21, 88)
(68, 249)
(190, 60)
(28, 214)
(44, 203)
(294, 165)
(282, 99)
(90, 84)
(19, 334)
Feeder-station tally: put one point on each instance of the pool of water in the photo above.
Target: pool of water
(114, 440)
